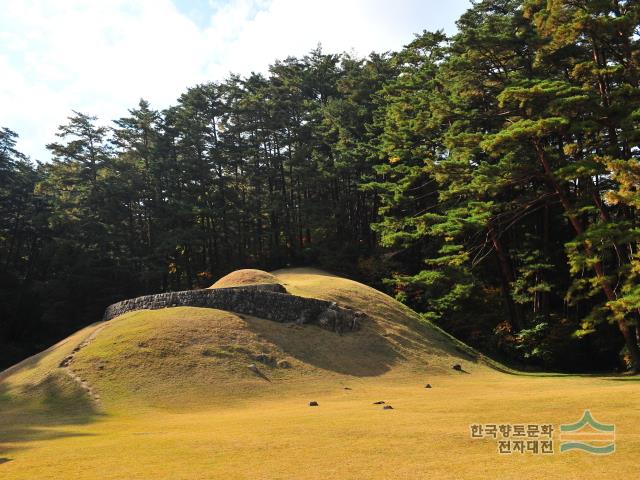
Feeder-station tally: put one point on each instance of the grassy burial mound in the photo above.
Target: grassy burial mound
(201, 393)
(197, 354)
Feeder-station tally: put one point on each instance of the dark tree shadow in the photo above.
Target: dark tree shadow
(27, 416)
(362, 353)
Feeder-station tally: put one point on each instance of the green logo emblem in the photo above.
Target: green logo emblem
(588, 435)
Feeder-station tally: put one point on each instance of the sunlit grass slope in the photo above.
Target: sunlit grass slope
(183, 355)
(177, 401)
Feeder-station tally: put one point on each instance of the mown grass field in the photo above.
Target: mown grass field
(176, 401)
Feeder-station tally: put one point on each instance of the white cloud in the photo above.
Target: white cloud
(100, 57)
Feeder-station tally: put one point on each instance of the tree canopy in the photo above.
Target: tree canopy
(488, 179)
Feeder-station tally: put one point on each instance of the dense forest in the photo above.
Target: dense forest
(489, 180)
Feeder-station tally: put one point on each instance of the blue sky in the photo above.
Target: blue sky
(101, 57)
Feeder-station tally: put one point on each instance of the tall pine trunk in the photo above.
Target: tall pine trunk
(628, 334)
(507, 278)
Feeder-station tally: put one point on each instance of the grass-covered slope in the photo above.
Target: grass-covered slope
(187, 355)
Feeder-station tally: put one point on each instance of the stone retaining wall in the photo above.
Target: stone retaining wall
(259, 302)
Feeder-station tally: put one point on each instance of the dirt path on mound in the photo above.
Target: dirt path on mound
(68, 361)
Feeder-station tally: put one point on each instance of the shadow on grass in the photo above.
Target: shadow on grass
(362, 354)
(40, 411)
